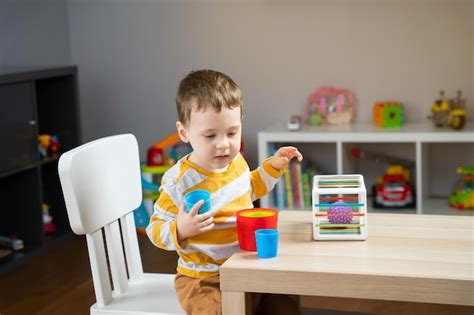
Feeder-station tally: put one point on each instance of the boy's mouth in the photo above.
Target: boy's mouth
(221, 157)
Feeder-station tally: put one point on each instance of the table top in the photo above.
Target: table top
(406, 257)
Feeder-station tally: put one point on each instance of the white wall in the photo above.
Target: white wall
(132, 55)
(34, 33)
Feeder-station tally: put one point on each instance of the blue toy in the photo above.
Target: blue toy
(141, 214)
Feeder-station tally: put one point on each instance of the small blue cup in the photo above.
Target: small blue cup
(267, 243)
(192, 197)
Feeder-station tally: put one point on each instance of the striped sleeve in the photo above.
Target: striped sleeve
(263, 179)
(162, 227)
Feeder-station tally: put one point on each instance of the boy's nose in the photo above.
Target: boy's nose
(223, 144)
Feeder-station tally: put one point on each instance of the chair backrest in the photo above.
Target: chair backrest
(101, 184)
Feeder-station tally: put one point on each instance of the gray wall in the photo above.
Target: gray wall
(132, 55)
(34, 33)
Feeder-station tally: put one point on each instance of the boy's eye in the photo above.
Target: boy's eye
(230, 134)
(209, 136)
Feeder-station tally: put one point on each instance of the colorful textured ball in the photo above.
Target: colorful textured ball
(340, 214)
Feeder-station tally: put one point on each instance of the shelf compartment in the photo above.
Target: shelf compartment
(58, 114)
(21, 208)
(440, 206)
(18, 136)
(38, 101)
(372, 159)
(52, 195)
(442, 160)
(368, 159)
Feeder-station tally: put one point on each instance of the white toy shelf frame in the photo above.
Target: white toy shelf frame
(340, 198)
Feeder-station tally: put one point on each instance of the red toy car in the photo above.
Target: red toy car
(393, 192)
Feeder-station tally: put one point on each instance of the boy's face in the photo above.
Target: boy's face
(215, 137)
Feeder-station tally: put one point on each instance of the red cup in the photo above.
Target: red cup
(250, 220)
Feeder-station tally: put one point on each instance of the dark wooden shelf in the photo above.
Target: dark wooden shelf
(50, 159)
(18, 170)
(34, 102)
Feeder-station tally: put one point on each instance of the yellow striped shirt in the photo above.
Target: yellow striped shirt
(200, 256)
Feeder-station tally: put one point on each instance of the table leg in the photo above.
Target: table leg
(234, 303)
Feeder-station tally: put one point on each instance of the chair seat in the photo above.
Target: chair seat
(155, 294)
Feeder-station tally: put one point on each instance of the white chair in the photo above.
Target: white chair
(102, 186)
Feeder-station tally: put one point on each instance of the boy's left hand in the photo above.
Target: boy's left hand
(283, 156)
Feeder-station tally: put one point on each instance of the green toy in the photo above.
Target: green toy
(463, 194)
(389, 114)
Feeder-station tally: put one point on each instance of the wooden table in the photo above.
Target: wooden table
(408, 258)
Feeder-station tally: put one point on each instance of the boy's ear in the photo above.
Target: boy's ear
(183, 134)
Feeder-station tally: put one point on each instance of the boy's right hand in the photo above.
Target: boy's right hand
(192, 223)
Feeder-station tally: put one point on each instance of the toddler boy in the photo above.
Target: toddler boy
(209, 105)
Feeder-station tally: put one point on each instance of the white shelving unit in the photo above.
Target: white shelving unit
(436, 153)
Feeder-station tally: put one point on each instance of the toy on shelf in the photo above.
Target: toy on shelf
(167, 151)
(12, 243)
(48, 145)
(462, 196)
(339, 207)
(457, 114)
(330, 105)
(48, 225)
(294, 124)
(393, 189)
(439, 110)
(389, 114)
(449, 112)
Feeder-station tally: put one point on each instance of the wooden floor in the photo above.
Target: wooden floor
(60, 282)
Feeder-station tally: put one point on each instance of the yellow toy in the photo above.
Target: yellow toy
(449, 112)
(397, 169)
(457, 116)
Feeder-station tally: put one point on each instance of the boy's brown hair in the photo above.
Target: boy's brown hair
(206, 88)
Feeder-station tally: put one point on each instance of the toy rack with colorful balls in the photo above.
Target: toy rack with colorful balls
(339, 207)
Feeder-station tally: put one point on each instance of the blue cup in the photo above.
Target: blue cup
(192, 197)
(267, 243)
